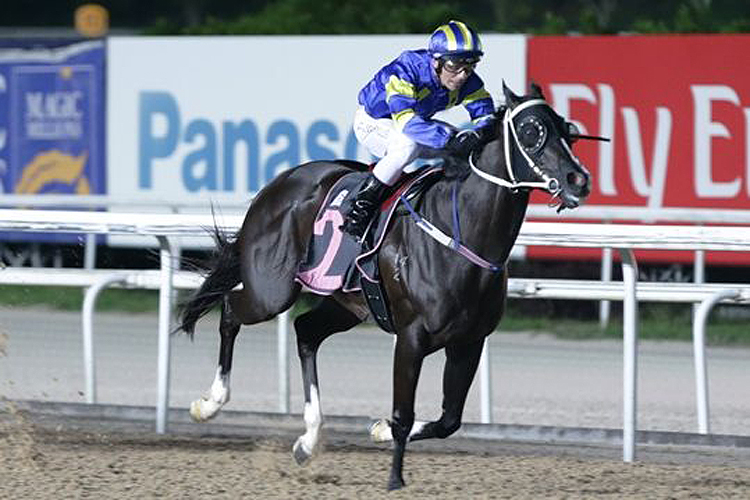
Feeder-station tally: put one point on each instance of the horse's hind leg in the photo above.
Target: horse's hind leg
(461, 363)
(312, 329)
(209, 405)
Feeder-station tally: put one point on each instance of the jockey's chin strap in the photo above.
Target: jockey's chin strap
(547, 183)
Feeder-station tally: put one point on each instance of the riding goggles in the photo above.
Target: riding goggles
(455, 66)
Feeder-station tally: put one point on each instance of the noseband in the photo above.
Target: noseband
(547, 183)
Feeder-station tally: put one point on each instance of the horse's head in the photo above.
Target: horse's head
(538, 148)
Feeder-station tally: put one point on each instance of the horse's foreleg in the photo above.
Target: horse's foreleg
(209, 405)
(407, 364)
(460, 367)
(461, 363)
(312, 329)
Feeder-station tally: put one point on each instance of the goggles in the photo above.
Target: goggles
(455, 66)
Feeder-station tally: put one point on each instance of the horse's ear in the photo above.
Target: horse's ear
(536, 91)
(511, 99)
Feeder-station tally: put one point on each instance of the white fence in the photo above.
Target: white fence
(620, 214)
(625, 238)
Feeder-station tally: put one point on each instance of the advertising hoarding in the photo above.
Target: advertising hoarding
(213, 119)
(52, 122)
(677, 109)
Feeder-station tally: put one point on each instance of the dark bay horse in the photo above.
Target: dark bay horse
(438, 298)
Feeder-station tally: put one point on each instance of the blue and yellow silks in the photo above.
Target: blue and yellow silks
(408, 91)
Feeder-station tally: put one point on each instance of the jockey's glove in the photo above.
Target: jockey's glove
(463, 143)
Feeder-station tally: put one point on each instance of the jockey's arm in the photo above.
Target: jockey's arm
(402, 103)
(479, 105)
(421, 130)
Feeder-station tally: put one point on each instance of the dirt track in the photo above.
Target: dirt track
(62, 459)
(55, 457)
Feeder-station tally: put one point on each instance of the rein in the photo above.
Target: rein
(547, 183)
(453, 243)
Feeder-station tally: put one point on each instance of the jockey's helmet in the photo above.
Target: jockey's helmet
(455, 41)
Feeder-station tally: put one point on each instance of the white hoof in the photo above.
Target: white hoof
(380, 431)
(301, 452)
(204, 409)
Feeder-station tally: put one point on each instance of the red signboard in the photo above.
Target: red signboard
(676, 107)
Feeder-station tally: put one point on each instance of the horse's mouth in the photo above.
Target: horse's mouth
(569, 200)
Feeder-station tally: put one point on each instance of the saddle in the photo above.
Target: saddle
(337, 261)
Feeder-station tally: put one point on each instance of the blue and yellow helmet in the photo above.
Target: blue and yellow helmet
(455, 40)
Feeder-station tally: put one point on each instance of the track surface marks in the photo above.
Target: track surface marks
(47, 456)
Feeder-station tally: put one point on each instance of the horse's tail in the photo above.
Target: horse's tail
(223, 275)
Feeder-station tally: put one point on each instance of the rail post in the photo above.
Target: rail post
(165, 310)
(700, 316)
(89, 301)
(630, 352)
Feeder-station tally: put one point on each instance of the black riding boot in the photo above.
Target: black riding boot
(366, 202)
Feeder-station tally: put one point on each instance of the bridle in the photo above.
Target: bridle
(547, 183)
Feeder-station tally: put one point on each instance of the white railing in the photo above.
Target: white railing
(625, 238)
(229, 203)
(620, 214)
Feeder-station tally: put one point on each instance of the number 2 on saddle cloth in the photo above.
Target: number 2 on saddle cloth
(336, 261)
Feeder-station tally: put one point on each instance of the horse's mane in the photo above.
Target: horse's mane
(494, 129)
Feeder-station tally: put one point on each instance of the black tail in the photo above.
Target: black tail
(223, 276)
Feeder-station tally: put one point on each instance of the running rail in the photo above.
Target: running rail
(624, 237)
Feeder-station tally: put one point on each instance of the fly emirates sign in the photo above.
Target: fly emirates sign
(677, 109)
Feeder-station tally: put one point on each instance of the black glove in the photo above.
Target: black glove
(463, 143)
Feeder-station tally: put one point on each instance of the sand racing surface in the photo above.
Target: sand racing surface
(93, 451)
(43, 456)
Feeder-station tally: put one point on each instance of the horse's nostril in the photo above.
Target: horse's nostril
(579, 182)
(576, 179)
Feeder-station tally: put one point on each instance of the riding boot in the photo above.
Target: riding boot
(363, 207)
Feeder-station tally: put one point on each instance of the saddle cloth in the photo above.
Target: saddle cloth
(336, 260)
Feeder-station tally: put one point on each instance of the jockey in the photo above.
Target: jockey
(394, 120)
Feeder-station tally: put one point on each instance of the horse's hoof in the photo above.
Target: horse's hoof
(202, 410)
(380, 431)
(395, 484)
(301, 455)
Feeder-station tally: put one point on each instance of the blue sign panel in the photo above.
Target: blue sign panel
(52, 122)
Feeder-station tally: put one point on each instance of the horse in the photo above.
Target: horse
(438, 298)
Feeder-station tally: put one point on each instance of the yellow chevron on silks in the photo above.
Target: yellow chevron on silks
(398, 86)
(475, 96)
(422, 94)
(54, 166)
(402, 118)
(452, 99)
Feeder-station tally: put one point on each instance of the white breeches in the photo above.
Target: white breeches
(394, 149)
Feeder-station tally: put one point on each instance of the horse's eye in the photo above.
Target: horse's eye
(531, 134)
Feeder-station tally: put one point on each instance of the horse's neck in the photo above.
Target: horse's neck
(490, 216)
(501, 211)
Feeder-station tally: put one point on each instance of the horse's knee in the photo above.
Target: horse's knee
(401, 425)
